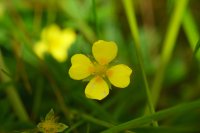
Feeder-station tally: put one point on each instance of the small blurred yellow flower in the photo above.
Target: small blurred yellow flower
(100, 70)
(50, 125)
(55, 42)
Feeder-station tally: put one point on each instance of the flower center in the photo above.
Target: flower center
(100, 69)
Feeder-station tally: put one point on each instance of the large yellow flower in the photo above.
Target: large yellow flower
(100, 70)
(55, 42)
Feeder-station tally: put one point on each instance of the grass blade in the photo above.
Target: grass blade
(167, 130)
(191, 30)
(168, 47)
(197, 48)
(128, 5)
(13, 95)
(182, 108)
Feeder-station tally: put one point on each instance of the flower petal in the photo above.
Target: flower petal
(68, 37)
(104, 52)
(81, 67)
(40, 49)
(119, 75)
(60, 54)
(97, 88)
(50, 33)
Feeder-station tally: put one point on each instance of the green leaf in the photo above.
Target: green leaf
(166, 130)
(50, 115)
(61, 127)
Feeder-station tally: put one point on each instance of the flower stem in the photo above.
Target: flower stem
(97, 121)
(168, 46)
(81, 25)
(95, 17)
(12, 94)
(51, 15)
(191, 30)
(128, 5)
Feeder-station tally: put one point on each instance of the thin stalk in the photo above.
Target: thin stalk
(57, 92)
(141, 121)
(20, 66)
(96, 121)
(191, 30)
(128, 5)
(81, 25)
(95, 17)
(12, 94)
(51, 14)
(88, 128)
(74, 126)
(37, 20)
(168, 47)
(38, 97)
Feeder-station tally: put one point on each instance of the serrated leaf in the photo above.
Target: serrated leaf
(50, 115)
(61, 127)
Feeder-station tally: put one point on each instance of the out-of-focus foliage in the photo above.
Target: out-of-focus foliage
(31, 86)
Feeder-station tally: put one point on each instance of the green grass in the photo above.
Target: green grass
(161, 48)
(128, 5)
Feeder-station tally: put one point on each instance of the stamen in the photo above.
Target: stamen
(100, 69)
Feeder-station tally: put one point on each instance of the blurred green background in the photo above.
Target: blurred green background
(169, 44)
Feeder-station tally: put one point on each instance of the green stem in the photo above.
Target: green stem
(12, 94)
(182, 108)
(168, 46)
(38, 97)
(128, 5)
(51, 15)
(81, 25)
(95, 17)
(74, 126)
(96, 121)
(191, 30)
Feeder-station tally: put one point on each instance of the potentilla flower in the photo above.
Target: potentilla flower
(100, 70)
(55, 42)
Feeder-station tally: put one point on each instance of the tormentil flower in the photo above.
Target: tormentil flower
(100, 70)
(55, 42)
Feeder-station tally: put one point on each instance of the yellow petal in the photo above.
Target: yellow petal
(68, 37)
(97, 88)
(81, 67)
(40, 48)
(58, 41)
(119, 75)
(50, 33)
(60, 55)
(104, 52)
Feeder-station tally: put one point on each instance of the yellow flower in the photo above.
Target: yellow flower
(100, 70)
(55, 42)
